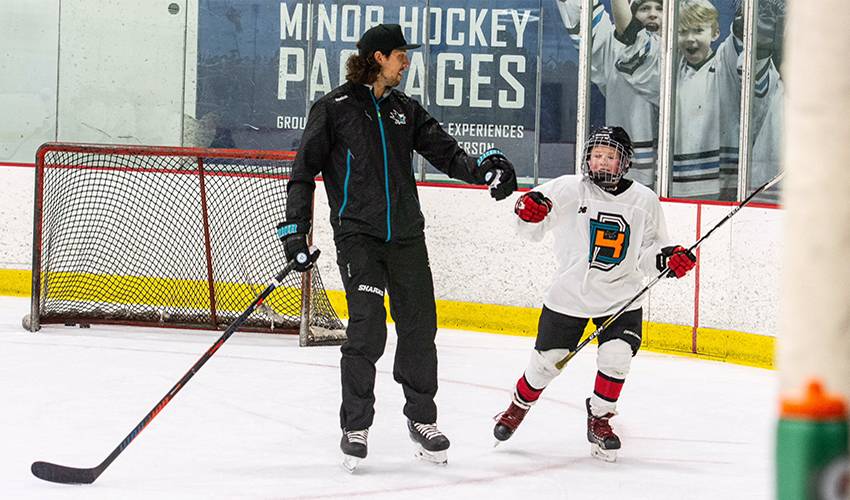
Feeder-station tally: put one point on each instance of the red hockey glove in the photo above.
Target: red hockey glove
(533, 206)
(678, 259)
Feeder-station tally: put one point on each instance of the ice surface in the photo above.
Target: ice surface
(260, 420)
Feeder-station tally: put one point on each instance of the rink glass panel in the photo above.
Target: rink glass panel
(240, 74)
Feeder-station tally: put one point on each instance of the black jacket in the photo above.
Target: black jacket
(365, 158)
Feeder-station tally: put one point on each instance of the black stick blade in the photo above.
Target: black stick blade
(61, 474)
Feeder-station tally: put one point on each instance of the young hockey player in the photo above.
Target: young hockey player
(625, 105)
(609, 233)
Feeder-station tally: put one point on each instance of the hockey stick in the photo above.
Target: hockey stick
(72, 475)
(605, 324)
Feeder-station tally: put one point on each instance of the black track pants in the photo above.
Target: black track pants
(368, 267)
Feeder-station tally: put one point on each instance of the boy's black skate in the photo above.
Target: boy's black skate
(353, 445)
(432, 444)
(603, 442)
(508, 421)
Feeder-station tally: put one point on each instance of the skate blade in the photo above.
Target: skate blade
(350, 463)
(602, 454)
(434, 457)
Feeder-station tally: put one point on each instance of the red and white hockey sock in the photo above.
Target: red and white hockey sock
(525, 395)
(613, 361)
(606, 392)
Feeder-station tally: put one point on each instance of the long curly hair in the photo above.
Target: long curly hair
(362, 69)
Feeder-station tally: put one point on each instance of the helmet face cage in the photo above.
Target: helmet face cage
(616, 138)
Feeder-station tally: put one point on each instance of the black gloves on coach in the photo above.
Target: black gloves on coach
(294, 238)
(498, 173)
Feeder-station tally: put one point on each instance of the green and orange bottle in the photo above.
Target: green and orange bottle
(811, 447)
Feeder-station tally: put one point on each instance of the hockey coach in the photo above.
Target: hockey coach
(361, 137)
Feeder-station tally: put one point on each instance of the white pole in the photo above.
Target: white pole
(814, 337)
(815, 325)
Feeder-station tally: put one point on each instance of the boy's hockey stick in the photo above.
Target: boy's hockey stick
(72, 475)
(613, 317)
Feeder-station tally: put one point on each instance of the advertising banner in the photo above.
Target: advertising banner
(262, 64)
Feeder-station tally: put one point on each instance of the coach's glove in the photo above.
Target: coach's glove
(497, 172)
(294, 238)
(678, 259)
(533, 206)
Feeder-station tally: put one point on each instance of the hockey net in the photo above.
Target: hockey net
(164, 236)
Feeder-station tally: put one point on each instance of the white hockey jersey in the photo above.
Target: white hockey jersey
(626, 106)
(605, 244)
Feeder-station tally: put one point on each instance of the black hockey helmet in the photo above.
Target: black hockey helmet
(617, 138)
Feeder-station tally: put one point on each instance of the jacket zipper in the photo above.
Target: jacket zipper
(386, 167)
(348, 157)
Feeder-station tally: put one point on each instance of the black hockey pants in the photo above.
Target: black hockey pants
(368, 267)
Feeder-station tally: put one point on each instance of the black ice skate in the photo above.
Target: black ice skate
(432, 444)
(509, 420)
(353, 445)
(603, 442)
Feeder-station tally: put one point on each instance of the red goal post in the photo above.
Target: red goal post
(167, 236)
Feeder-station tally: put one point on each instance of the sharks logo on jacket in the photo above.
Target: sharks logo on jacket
(398, 118)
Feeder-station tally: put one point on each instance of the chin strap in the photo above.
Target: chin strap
(611, 188)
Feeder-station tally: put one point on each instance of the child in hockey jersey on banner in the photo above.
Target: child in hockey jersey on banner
(708, 92)
(628, 105)
(609, 234)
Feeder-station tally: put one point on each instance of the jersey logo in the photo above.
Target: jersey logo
(630, 66)
(398, 118)
(582, 210)
(609, 241)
